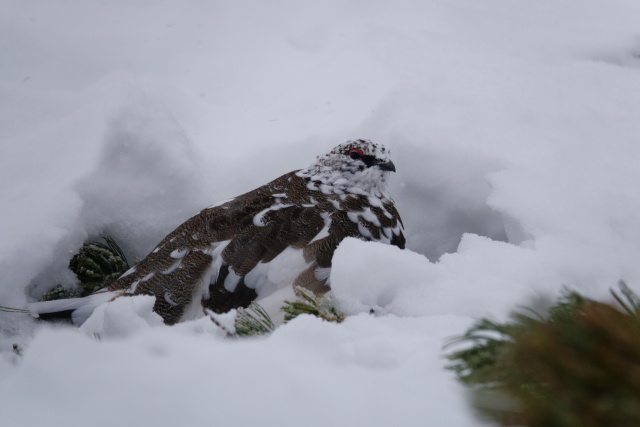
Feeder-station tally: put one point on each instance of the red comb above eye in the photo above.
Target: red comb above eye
(355, 150)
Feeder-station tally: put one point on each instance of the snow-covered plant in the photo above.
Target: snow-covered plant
(322, 306)
(578, 366)
(62, 292)
(253, 320)
(96, 265)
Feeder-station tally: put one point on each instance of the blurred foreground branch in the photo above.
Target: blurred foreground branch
(578, 366)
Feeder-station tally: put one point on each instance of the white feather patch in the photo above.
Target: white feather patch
(133, 287)
(201, 289)
(173, 267)
(369, 216)
(167, 298)
(326, 189)
(148, 276)
(322, 273)
(325, 230)
(258, 220)
(179, 253)
(231, 281)
(215, 251)
(281, 271)
(364, 232)
(385, 236)
(83, 307)
(128, 272)
(375, 201)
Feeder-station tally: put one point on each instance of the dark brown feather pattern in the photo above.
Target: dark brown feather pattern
(212, 260)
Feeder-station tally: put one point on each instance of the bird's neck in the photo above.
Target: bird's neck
(369, 182)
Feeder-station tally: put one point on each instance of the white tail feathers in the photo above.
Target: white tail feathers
(76, 309)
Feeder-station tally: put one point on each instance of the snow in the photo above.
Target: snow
(513, 126)
(308, 372)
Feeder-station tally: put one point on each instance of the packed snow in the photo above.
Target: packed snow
(513, 126)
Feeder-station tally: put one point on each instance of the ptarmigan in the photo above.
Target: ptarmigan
(281, 234)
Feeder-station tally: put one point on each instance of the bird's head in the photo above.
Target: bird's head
(359, 166)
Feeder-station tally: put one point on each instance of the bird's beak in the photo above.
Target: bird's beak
(388, 166)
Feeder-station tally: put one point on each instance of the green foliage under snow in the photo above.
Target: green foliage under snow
(254, 320)
(96, 265)
(322, 306)
(578, 366)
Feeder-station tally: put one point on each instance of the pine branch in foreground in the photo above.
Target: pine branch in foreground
(578, 366)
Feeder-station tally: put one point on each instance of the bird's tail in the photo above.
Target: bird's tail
(77, 310)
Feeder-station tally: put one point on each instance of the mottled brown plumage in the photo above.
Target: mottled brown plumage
(281, 234)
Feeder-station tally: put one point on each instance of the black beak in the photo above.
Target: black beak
(388, 166)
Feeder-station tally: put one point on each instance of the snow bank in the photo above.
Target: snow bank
(483, 278)
(513, 126)
(366, 371)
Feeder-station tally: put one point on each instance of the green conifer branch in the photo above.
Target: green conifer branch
(253, 320)
(96, 265)
(322, 306)
(577, 366)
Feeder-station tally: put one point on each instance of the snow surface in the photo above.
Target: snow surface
(513, 125)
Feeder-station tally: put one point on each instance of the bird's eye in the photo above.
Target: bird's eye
(355, 153)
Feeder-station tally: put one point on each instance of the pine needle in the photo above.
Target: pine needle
(13, 310)
(632, 303)
(253, 320)
(322, 306)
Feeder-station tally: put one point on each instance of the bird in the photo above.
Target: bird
(280, 235)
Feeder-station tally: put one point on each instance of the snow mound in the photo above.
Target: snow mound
(122, 317)
(158, 375)
(484, 277)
